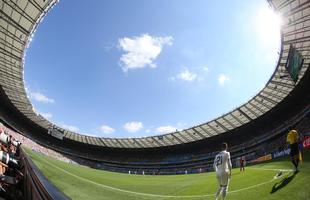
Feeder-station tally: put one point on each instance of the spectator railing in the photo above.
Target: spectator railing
(36, 185)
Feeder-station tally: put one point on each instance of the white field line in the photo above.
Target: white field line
(162, 196)
(267, 169)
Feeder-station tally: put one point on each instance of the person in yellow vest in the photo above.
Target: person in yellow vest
(293, 140)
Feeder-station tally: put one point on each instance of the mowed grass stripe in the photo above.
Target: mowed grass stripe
(188, 182)
(180, 185)
(167, 196)
(152, 195)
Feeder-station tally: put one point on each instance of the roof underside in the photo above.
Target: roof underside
(18, 23)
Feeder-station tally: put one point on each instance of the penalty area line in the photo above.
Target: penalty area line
(153, 195)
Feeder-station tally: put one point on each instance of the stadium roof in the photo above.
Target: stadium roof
(19, 20)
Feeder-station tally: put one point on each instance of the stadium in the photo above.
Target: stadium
(56, 163)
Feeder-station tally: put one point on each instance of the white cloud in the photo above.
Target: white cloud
(165, 129)
(37, 96)
(106, 129)
(46, 115)
(133, 126)
(172, 78)
(70, 127)
(148, 130)
(141, 51)
(205, 68)
(187, 76)
(222, 79)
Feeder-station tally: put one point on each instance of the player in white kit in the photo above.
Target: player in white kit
(222, 167)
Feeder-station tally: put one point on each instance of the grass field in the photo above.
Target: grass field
(256, 183)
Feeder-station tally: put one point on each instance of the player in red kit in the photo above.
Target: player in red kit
(242, 164)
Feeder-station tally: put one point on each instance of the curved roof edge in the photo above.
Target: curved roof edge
(18, 24)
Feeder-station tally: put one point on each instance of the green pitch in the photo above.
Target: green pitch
(257, 182)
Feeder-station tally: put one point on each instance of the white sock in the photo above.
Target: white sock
(224, 192)
(219, 191)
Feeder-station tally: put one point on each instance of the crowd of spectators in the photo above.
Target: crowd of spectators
(172, 163)
(34, 146)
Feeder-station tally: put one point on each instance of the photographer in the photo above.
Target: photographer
(10, 174)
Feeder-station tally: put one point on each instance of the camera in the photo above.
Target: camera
(4, 138)
(10, 167)
(8, 160)
(16, 143)
(8, 140)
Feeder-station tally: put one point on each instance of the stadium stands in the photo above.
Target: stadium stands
(19, 21)
(173, 163)
(264, 119)
(255, 130)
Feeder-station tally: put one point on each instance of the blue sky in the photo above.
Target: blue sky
(139, 68)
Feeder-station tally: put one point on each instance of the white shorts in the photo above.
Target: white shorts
(223, 178)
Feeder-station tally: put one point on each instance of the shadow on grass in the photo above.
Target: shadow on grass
(279, 185)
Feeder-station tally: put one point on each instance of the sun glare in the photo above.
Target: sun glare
(268, 24)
